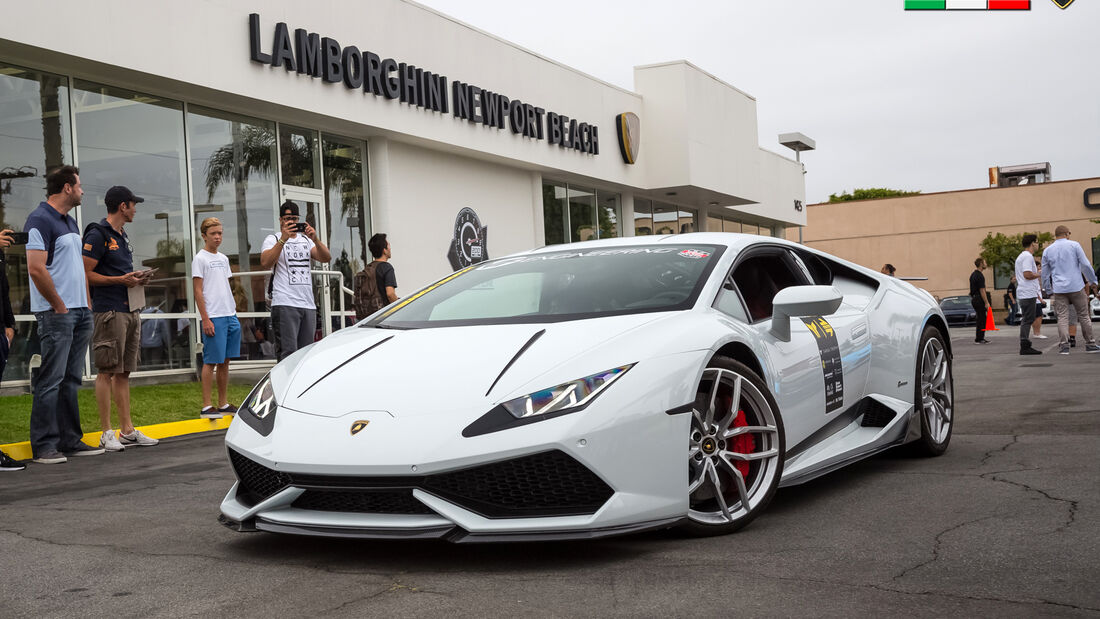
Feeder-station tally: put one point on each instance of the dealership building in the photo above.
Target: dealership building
(381, 116)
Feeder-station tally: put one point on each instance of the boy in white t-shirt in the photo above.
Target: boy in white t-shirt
(221, 332)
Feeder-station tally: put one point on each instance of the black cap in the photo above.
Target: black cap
(118, 194)
(288, 208)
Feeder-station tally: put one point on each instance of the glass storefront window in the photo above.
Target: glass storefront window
(553, 213)
(349, 227)
(233, 179)
(298, 151)
(609, 212)
(666, 219)
(730, 225)
(643, 217)
(34, 138)
(686, 221)
(582, 214)
(136, 140)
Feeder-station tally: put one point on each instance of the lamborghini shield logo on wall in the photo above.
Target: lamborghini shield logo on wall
(629, 128)
(1063, 3)
(358, 426)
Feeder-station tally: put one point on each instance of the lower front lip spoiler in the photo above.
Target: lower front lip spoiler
(449, 533)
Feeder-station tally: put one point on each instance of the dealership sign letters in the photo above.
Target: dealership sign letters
(324, 58)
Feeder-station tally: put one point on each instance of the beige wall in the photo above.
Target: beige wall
(937, 235)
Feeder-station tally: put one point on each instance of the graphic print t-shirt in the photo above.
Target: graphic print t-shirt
(213, 269)
(293, 285)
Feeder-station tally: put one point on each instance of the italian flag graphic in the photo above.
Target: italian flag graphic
(978, 5)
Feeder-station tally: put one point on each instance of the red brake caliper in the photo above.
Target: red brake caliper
(743, 444)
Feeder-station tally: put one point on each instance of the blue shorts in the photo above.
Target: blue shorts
(225, 343)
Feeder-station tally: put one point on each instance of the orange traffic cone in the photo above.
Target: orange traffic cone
(989, 324)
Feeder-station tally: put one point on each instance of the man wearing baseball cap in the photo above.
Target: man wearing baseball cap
(116, 338)
(293, 311)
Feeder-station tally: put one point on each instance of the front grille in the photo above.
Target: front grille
(257, 481)
(545, 484)
(362, 501)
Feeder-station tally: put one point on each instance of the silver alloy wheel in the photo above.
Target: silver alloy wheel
(717, 492)
(935, 389)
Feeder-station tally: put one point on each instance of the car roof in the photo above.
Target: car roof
(729, 239)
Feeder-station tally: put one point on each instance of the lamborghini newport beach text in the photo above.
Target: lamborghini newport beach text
(593, 389)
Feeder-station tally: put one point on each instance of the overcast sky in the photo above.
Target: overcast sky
(916, 100)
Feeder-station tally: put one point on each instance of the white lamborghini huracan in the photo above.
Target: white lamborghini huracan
(593, 389)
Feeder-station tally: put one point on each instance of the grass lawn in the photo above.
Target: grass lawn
(149, 404)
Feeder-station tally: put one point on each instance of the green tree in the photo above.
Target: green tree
(1000, 250)
(869, 194)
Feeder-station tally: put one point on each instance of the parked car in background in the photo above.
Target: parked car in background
(958, 310)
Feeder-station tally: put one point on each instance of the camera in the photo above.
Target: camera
(19, 238)
(300, 226)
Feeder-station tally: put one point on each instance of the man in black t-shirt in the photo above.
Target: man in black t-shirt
(383, 271)
(978, 297)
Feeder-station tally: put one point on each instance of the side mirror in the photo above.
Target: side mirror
(801, 301)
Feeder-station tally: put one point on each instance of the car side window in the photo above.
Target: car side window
(761, 276)
(729, 303)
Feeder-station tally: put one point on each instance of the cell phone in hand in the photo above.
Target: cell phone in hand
(20, 238)
(300, 226)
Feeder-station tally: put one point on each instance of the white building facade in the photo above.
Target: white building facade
(380, 116)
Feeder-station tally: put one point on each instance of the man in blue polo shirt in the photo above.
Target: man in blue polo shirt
(116, 338)
(59, 300)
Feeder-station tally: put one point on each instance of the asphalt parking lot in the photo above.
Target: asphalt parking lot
(1006, 523)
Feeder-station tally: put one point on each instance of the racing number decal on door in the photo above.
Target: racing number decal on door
(830, 361)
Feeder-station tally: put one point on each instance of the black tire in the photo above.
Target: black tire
(735, 504)
(935, 432)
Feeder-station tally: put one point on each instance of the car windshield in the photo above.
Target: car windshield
(955, 302)
(554, 286)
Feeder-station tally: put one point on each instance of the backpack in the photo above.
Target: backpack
(367, 298)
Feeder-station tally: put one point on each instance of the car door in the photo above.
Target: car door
(808, 374)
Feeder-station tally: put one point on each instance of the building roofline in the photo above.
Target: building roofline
(937, 193)
(520, 47)
(697, 68)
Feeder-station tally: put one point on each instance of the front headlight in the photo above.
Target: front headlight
(261, 402)
(258, 409)
(574, 394)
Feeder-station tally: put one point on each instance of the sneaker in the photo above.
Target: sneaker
(1092, 348)
(1072, 342)
(51, 457)
(227, 409)
(210, 413)
(82, 449)
(1031, 351)
(9, 464)
(108, 441)
(1063, 350)
(981, 341)
(1038, 337)
(137, 438)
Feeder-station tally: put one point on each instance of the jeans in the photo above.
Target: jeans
(1029, 309)
(55, 416)
(293, 328)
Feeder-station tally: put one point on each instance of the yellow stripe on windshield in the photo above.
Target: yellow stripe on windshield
(427, 290)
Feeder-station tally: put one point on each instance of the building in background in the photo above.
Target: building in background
(938, 235)
(379, 116)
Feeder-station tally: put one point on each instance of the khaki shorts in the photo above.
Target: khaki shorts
(116, 341)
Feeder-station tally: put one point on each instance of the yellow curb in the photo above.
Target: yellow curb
(22, 451)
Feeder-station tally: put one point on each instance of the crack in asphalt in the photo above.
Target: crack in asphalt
(1002, 449)
(936, 543)
(1071, 505)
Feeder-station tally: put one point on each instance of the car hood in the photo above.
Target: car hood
(425, 371)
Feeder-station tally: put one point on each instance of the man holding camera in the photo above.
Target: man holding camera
(293, 310)
(116, 337)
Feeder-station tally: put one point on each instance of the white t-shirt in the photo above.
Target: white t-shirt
(1026, 288)
(293, 285)
(213, 269)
